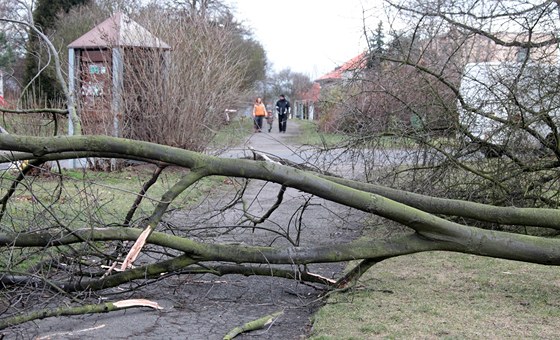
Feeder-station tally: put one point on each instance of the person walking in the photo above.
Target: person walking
(269, 120)
(283, 109)
(259, 112)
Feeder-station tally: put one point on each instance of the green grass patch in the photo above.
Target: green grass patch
(93, 199)
(310, 135)
(232, 134)
(445, 295)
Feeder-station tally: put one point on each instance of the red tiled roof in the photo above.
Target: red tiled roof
(118, 30)
(358, 62)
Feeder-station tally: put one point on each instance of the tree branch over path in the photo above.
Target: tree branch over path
(166, 250)
(328, 188)
(482, 242)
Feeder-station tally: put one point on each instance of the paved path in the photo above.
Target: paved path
(207, 307)
(343, 161)
(273, 142)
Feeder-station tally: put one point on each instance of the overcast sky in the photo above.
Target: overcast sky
(308, 36)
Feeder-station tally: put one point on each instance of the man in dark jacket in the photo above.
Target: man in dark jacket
(283, 109)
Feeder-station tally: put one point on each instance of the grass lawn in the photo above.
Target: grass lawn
(446, 295)
(232, 134)
(97, 198)
(108, 195)
(309, 135)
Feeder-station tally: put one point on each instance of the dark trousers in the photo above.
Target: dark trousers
(258, 122)
(282, 122)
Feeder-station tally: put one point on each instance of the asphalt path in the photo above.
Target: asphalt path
(274, 143)
(340, 161)
(207, 306)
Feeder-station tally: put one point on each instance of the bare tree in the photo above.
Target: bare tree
(182, 94)
(472, 86)
(290, 83)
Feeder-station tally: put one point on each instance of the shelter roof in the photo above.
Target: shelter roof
(118, 31)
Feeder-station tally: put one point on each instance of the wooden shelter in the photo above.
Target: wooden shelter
(98, 70)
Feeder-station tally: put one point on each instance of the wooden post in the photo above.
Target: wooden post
(71, 89)
(116, 104)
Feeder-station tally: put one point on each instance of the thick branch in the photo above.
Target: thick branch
(144, 272)
(260, 271)
(476, 241)
(424, 223)
(539, 217)
(353, 275)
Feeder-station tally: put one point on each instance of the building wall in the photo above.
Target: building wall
(95, 91)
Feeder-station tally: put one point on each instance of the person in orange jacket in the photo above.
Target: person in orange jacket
(259, 112)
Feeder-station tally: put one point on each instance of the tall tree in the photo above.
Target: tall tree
(7, 56)
(289, 83)
(38, 72)
(255, 62)
(376, 46)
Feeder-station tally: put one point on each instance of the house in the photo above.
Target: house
(345, 71)
(509, 94)
(305, 106)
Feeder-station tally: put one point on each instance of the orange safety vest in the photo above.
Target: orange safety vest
(259, 110)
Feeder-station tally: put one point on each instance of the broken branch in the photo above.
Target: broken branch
(253, 325)
(86, 309)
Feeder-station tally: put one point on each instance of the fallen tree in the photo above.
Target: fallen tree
(57, 241)
(429, 221)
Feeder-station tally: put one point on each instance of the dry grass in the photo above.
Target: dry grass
(446, 295)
